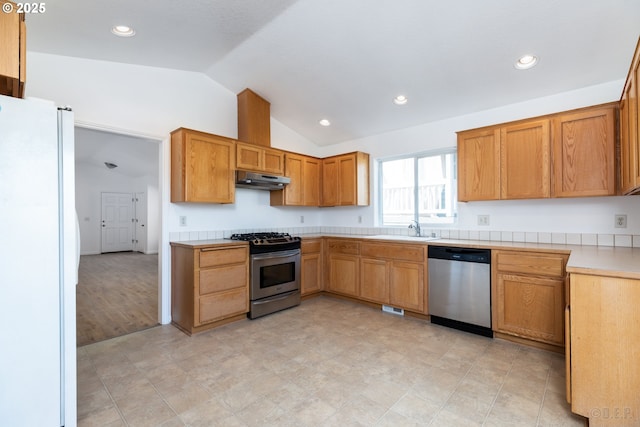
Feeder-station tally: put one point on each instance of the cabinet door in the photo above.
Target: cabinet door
(294, 169)
(374, 284)
(311, 273)
(406, 289)
(330, 182)
(273, 161)
(479, 165)
(12, 53)
(311, 181)
(531, 307)
(249, 157)
(584, 153)
(344, 274)
(201, 168)
(525, 165)
(347, 183)
(628, 138)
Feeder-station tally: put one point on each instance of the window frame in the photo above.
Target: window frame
(416, 157)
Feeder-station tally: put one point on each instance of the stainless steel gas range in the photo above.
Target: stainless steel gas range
(274, 273)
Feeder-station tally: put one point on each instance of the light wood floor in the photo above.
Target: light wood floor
(117, 294)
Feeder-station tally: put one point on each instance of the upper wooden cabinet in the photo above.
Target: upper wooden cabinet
(584, 150)
(630, 129)
(259, 159)
(525, 163)
(479, 165)
(345, 180)
(202, 167)
(304, 189)
(13, 52)
(254, 118)
(569, 154)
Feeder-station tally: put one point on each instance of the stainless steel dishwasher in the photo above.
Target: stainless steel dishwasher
(460, 288)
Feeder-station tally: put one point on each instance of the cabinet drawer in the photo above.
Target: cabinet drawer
(222, 278)
(311, 246)
(344, 247)
(223, 304)
(539, 264)
(214, 257)
(396, 252)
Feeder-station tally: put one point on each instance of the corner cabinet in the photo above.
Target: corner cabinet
(345, 180)
(304, 189)
(13, 52)
(630, 129)
(209, 285)
(202, 167)
(529, 297)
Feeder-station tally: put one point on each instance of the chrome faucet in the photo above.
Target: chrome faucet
(416, 226)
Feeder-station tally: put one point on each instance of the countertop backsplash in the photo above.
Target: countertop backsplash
(586, 239)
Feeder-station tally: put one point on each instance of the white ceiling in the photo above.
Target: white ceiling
(345, 60)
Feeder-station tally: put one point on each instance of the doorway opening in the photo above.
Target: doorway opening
(118, 205)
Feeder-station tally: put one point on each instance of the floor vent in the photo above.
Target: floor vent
(393, 310)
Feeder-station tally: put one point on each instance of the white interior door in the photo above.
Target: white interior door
(117, 222)
(140, 223)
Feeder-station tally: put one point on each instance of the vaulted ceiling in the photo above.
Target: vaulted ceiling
(345, 60)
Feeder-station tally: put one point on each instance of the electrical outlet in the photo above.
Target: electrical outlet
(301, 219)
(359, 219)
(621, 221)
(483, 219)
(183, 221)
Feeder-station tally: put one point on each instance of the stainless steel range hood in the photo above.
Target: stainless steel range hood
(259, 181)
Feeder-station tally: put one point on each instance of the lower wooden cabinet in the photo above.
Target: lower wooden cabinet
(209, 284)
(394, 275)
(529, 299)
(603, 381)
(343, 267)
(311, 266)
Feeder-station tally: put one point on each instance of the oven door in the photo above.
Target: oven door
(274, 273)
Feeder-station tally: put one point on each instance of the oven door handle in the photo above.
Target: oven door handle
(274, 255)
(276, 298)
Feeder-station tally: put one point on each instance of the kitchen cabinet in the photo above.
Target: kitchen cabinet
(209, 285)
(479, 165)
(343, 267)
(311, 266)
(345, 180)
(259, 159)
(254, 118)
(569, 154)
(584, 150)
(630, 129)
(393, 274)
(604, 373)
(529, 296)
(13, 52)
(202, 167)
(304, 189)
(525, 160)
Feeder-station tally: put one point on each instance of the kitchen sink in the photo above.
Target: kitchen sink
(403, 238)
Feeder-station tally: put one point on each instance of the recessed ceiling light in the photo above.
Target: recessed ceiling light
(123, 31)
(400, 100)
(526, 61)
(324, 122)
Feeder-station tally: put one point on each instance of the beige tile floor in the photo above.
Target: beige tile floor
(325, 363)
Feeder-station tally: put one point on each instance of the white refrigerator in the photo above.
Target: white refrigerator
(38, 265)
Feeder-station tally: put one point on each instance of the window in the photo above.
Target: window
(422, 187)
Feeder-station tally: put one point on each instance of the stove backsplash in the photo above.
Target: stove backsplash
(587, 239)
